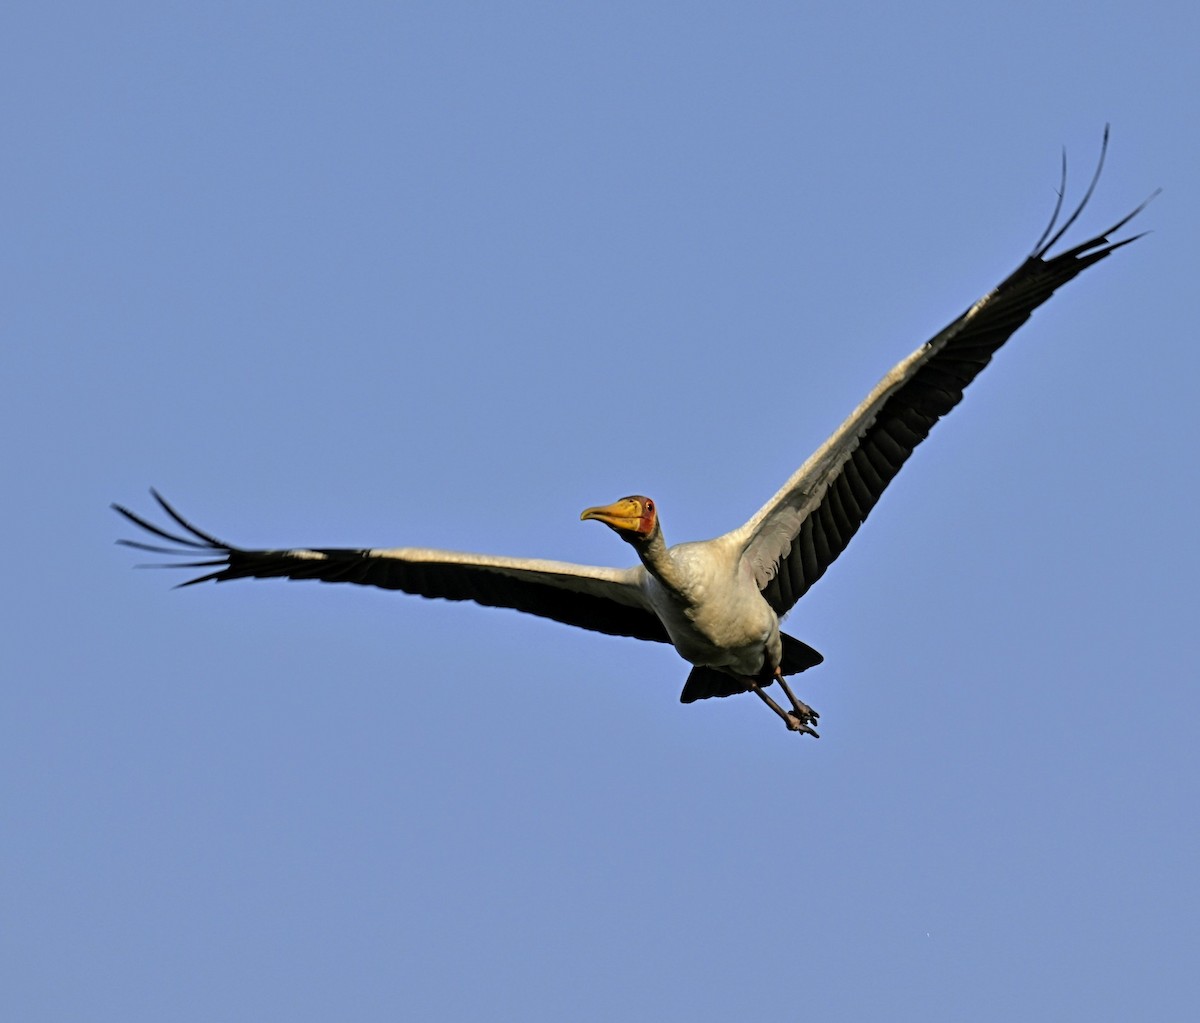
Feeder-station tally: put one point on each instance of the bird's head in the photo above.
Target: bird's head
(633, 518)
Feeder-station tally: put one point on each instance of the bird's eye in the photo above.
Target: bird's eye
(649, 506)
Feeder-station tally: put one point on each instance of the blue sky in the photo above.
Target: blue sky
(445, 274)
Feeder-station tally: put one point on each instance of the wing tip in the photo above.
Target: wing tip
(198, 543)
(1051, 237)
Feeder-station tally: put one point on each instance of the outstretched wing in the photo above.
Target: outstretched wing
(605, 600)
(796, 536)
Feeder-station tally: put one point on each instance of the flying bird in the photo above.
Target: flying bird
(720, 601)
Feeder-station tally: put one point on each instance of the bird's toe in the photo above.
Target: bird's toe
(796, 723)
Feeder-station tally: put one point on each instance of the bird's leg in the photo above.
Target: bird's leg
(800, 721)
(802, 710)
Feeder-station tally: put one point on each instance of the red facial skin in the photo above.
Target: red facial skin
(648, 518)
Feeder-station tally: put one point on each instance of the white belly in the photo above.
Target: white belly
(718, 621)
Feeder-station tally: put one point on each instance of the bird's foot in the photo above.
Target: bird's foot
(802, 722)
